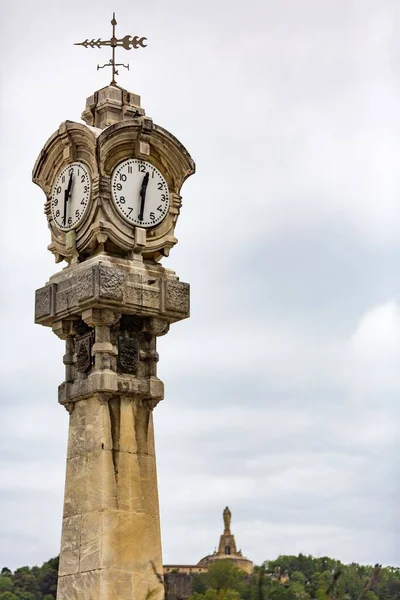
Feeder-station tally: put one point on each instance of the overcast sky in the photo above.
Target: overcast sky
(282, 389)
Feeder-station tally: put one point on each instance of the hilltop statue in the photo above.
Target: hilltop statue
(227, 518)
(226, 548)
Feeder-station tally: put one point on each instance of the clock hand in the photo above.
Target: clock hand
(142, 195)
(66, 196)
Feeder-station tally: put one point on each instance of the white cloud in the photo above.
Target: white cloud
(375, 351)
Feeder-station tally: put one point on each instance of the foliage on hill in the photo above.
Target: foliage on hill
(36, 583)
(309, 578)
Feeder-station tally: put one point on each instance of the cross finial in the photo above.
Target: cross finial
(128, 42)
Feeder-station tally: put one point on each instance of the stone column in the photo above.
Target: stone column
(111, 543)
(110, 311)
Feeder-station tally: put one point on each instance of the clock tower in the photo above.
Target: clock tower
(113, 197)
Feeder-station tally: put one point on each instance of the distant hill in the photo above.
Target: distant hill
(286, 578)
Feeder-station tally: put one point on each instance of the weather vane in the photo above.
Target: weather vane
(126, 42)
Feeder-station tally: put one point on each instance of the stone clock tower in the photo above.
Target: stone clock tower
(112, 189)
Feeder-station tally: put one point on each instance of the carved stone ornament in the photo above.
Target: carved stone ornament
(128, 354)
(101, 151)
(43, 301)
(83, 350)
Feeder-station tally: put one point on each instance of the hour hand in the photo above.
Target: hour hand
(142, 195)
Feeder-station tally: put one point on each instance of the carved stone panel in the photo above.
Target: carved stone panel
(128, 354)
(85, 285)
(43, 301)
(177, 296)
(151, 298)
(134, 294)
(111, 282)
(83, 350)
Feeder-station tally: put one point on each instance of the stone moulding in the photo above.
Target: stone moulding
(101, 151)
(132, 290)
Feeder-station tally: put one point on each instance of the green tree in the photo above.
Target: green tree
(199, 583)
(47, 578)
(209, 594)
(298, 590)
(223, 575)
(26, 595)
(277, 591)
(298, 576)
(259, 584)
(6, 584)
(5, 572)
(354, 580)
(8, 596)
(371, 596)
(305, 564)
(319, 583)
(213, 594)
(26, 586)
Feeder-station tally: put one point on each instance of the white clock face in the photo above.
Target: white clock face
(140, 192)
(70, 197)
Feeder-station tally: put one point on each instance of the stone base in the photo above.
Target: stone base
(107, 585)
(111, 548)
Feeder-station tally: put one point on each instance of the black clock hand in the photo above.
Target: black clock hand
(66, 196)
(142, 195)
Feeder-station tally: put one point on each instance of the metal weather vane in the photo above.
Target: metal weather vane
(128, 42)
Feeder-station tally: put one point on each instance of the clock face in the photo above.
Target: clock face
(140, 192)
(70, 197)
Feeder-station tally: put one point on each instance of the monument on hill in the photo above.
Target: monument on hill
(227, 548)
(226, 551)
(112, 189)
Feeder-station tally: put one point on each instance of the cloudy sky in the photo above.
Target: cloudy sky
(282, 389)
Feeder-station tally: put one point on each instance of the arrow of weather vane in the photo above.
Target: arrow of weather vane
(128, 42)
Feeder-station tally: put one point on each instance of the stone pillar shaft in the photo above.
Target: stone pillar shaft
(111, 546)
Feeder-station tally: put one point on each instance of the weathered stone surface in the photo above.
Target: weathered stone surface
(97, 425)
(134, 295)
(177, 296)
(111, 521)
(83, 351)
(81, 586)
(43, 299)
(75, 485)
(77, 426)
(119, 584)
(151, 298)
(109, 585)
(85, 285)
(178, 586)
(70, 545)
(128, 541)
(128, 354)
(62, 301)
(66, 295)
(130, 287)
(90, 542)
(111, 282)
(111, 105)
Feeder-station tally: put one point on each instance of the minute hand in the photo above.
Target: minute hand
(66, 196)
(142, 195)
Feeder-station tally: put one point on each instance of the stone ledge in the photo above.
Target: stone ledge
(132, 288)
(151, 388)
